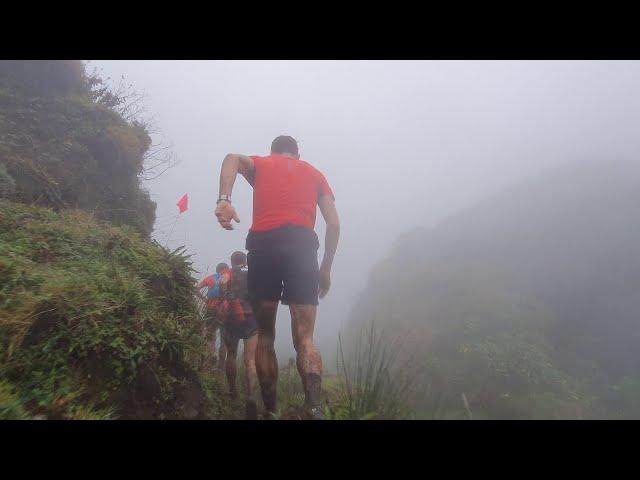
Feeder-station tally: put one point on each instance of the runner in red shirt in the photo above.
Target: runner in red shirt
(283, 255)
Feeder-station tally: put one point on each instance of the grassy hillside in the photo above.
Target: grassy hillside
(95, 321)
(64, 144)
(526, 303)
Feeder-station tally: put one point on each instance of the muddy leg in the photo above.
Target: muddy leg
(231, 367)
(308, 358)
(266, 361)
(251, 378)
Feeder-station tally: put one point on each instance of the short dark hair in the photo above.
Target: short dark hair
(238, 258)
(221, 267)
(284, 144)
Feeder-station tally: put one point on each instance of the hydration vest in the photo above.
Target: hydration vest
(214, 292)
(237, 286)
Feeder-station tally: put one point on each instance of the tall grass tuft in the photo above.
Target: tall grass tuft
(376, 385)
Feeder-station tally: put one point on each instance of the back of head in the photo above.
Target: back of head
(221, 267)
(238, 259)
(285, 145)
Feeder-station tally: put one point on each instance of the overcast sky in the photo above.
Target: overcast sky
(402, 143)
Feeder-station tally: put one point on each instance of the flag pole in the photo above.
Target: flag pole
(175, 220)
(182, 205)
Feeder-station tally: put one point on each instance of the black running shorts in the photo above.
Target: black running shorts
(231, 332)
(283, 265)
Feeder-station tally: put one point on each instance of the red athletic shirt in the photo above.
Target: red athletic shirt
(207, 282)
(285, 191)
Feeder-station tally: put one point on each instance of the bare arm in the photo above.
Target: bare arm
(332, 235)
(231, 166)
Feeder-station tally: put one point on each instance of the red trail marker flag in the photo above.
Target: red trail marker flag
(183, 203)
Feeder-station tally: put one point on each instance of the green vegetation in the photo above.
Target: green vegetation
(373, 385)
(96, 322)
(290, 392)
(11, 407)
(525, 305)
(64, 143)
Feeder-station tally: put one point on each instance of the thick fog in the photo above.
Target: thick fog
(402, 144)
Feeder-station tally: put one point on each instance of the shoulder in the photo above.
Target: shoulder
(259, 159)
(311, 169)
(319, 180)
(319, 177)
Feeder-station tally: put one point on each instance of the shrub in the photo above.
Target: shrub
(95, 321)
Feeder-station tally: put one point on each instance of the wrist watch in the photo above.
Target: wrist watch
(226, 198)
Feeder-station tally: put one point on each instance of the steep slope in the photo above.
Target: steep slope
(528, 302)
(64, 145)
(96, 320)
